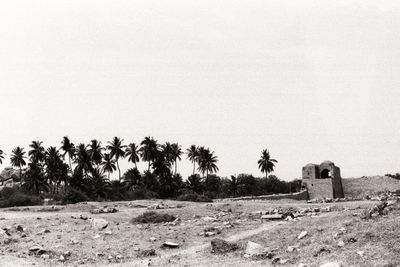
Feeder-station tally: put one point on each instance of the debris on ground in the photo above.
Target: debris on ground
(153, 217)
(211, 231)
(219, 246)
(331, 264)
(293, 248)
(271, 217)
(255, 250)
(302, 235)
(104, 210)
(99, 224)
(169, 244)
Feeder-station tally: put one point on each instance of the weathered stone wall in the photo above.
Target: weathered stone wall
(320, 188)
(302, 195)
(323, 180)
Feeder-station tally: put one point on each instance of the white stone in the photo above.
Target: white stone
(331, 264)
(302, 235)
(255, 249)
(99, 224)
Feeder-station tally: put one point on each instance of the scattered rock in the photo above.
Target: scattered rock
(256, 250)
(37, 250)
(293, 248)
(96, 236)
(331, 264)
(340, 243)
(302, 235)
(302, 265)
(271, 217)
(220, 246)
(105, 210)
(152, 239)
(99, 224)
(360, 253)
(45, 256)
(169, 244)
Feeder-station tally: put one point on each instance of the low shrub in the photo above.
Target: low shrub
(153, 217)
(74, 196)
(194, 197)
(7, 192)
(19, 199)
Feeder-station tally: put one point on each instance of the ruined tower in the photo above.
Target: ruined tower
(323, 180)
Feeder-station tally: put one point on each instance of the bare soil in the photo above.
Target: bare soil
(67, 237)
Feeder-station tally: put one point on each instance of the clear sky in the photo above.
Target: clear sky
(309, 80)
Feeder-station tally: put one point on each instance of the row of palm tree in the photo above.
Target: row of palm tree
(93, 160)
(94, 155)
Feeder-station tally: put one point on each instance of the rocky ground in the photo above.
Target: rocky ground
(241, 233)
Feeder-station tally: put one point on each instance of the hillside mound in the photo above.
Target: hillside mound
(371, 185)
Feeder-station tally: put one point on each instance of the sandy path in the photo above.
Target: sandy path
(190, 253)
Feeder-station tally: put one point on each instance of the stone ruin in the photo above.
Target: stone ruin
(322, 181)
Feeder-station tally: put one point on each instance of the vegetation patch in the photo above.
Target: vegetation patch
(194, 197)
(220, 246)
(19, 199)
(153, 217)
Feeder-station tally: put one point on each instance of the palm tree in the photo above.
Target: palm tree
(207, 161)
(193, 155)
(167, 152)
(100, 185)
(265, 163)
(95, 151)
(37, 153)
(56, 169)
(176, 154)
(132, 178)
(83, 159)
(1, 156)
(68, 148)
(149, 150)
(18, 159)
(108, 164)
(34, 179)
(117, 150)
(132, 152)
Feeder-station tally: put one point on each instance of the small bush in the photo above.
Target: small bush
(7, 192)
(19, 199)
(194, 197)
(153, 217)
(74, 196)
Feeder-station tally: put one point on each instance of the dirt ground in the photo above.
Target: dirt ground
(65, 236)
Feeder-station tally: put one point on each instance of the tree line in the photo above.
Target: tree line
(82, 172)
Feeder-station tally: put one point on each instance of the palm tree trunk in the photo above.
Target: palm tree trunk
(135, 165)
(109, 175)
(119, 173)
(148, 169)
(194, 166)
(70, 165)
(176, 166)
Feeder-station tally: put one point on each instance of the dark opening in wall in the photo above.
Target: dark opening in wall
(326, 174)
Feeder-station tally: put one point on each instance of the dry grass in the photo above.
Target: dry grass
(359, 188)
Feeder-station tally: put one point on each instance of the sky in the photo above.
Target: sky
(308, 80)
